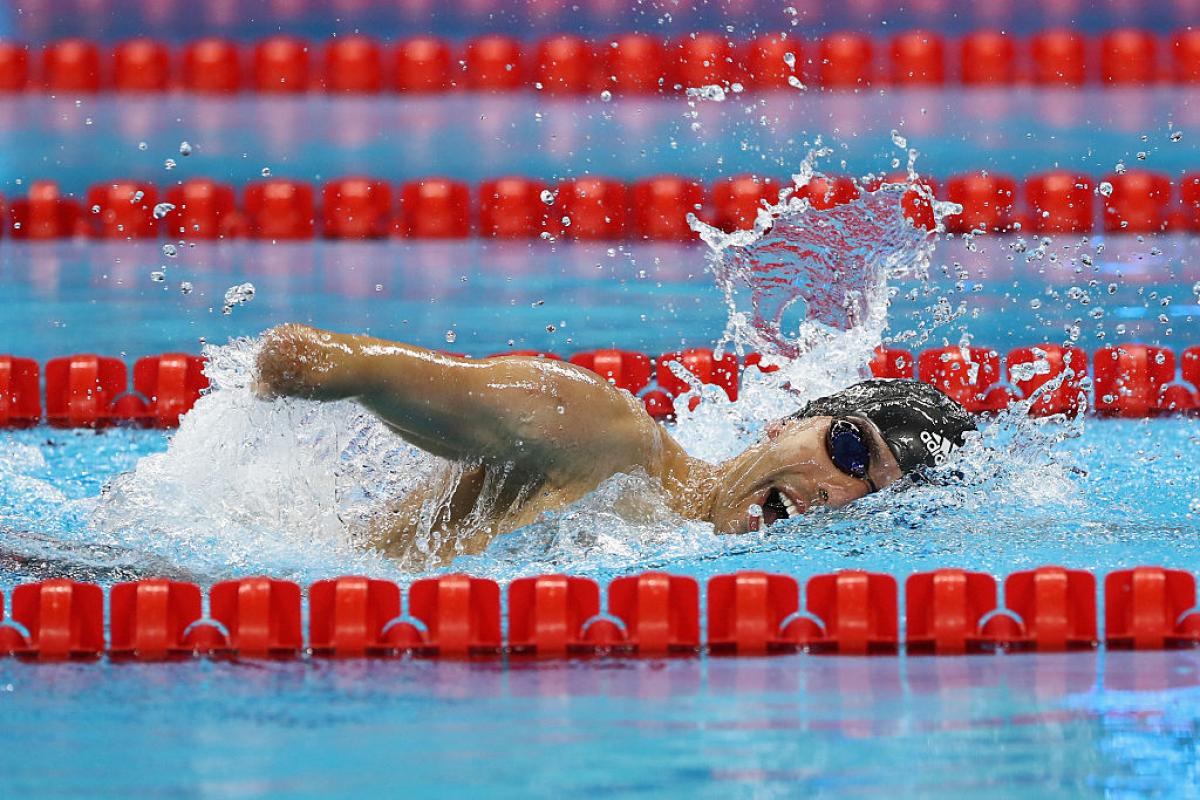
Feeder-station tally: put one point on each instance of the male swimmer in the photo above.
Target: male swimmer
(531, 435)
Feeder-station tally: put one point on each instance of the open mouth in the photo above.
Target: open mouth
(777, 506)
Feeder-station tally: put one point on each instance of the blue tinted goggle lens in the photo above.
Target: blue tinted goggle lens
(848, 448)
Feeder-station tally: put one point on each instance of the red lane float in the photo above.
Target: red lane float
(846, 61)
(547, 614)
(512, 208)
(988, 59)
(704, 366)
(435, 208)
(564, 65)
(1185, 56)
(660, 612)
(948, 612)
(347, 616)
(212, 66)
(1150, 608)
(635, 63)
(622, 368)
(171, 384)
(204, 209)
(773, 61)
(987, 202)
(966, 374)
(149, 619)
(81, 389)
(944, 611)
(1060, 202)
(123, 210)
(918, 58)
(737, 200)
(661, 206)
(356, 208)
(280, 210)
(890, 362)
(1128, 57)
(14, 67)
(1138, 203)
(1031, 368)
(494, 63)
(282, 65)
(141, 65)
(592, 209)
(353, 65)
(422, 64)
(71, 66)
(20, 392)
(703, 59)
(1059, 58)
(1130, 379)
(45, 214)
(261, 616)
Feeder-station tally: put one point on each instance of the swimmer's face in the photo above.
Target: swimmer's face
(792, 470)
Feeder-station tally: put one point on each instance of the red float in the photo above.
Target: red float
(1139, 202)
(1128, 57)
(944, 611)
(435, 208)
(72, 66)
(634, 63)
(859, 612)
(659, 405)
(356, 208)
(1185, 56)
(703, 59)
(422, 64)
(565, 65)
(282, 65)
(547, 614)
(45, 214)
(512, 208)
(736, 200)
(279, 209)
(824, 192)
(125, 210)
(461, 615)
(141, 65)
(64, 618)
(81, 389)
(1059, 58)
(1031, 368)
(891, 362)
(598, 209)
(353, 65)
(968, 375)
(918, 59)
(988, 59)
(622, 368)
(149, 618)
(347, 616)
(1056, 606)
(704, 366)
(14, 67)
(766, 60)
(204, 209)
(661, 612)
(1189, 193)
(262, 616)
(171, 383)
(661, 206)
(1129, 379)
(846, 61)
(212, 66)
(1060, 202)
(20, 393)
(1189, 366)
(1145, 608)
(494, 64)
(746, 612)
(987, 202)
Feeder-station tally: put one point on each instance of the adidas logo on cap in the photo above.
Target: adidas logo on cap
(938, 446)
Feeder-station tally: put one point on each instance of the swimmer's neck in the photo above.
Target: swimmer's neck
(692, 484)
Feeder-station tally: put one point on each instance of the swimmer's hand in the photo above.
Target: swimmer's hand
(299, 361)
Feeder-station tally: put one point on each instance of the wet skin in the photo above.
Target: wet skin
(542, 434)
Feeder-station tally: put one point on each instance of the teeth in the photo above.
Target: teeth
(789, 505)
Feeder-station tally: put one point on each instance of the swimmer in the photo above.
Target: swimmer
(531, 435)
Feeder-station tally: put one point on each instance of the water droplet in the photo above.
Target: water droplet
(169, 250)
(96, 209)
(605, 96)
(795, 82)
(790, 60)
(185, 287)
(548, 197)
(158, 276)
(899, 140)
(162, 209)
(1141, 156)
(1105, 188)
(185, 149)
(169, 164)
(1120, 168)
(137, 197)
(550, 329)
(142, 146)
(237, 295)
(1176, 136)
(451, 337)
(1035, 303)
(265, 172)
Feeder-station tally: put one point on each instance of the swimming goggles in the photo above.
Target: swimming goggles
(850, 450)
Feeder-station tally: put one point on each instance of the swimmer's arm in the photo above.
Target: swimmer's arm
(550, 415)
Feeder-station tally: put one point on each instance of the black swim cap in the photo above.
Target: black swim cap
(920, 424)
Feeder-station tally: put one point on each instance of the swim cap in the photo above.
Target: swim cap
(921, 425)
